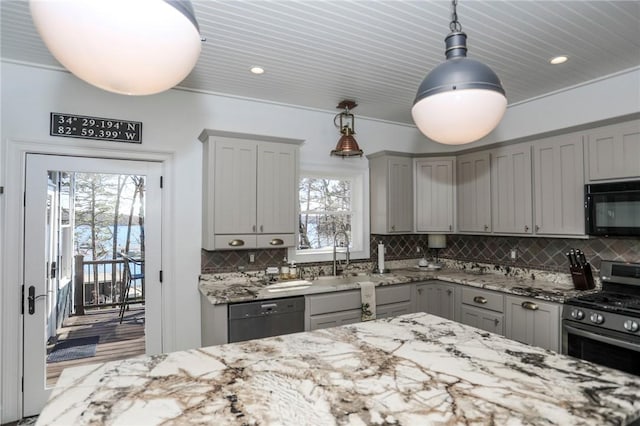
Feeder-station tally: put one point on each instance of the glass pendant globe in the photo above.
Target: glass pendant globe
(139, 47)
(459, 116)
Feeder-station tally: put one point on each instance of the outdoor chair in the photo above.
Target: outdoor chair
(130, 275)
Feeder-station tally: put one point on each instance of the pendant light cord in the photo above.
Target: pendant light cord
(454, 25)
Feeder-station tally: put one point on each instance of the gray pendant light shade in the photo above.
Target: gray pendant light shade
(461, 100)
(125, 47)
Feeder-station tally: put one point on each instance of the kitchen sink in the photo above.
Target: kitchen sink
(288, 285)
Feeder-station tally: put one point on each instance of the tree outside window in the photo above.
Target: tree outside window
(325, 208)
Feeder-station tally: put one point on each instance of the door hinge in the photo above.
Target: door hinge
(1, 189)
(161, 181)
(160, 275)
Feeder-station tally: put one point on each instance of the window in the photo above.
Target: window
(330, 202)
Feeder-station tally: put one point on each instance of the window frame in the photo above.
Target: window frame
(360, 209)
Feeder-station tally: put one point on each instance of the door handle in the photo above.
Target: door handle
(31, 300)
(530, 306)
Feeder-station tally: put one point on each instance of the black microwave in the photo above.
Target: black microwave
(612, 209)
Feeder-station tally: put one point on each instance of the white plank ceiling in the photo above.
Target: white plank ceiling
(377, 52)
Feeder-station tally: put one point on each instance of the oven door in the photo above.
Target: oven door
(611, 349)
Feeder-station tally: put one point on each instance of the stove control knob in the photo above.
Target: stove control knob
(577, 314)
(596, 318)
(631, 325)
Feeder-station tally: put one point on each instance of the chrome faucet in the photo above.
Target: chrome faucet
(335, 243)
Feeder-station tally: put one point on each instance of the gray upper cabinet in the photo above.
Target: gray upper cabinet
(511, 201)
(434, 195)
(559, 185)
(474, 192)
(249, 192)
(391, 187)
(614, 151)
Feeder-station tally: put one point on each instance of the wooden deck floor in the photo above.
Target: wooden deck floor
(117, 341)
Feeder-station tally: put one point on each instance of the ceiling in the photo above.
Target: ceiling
(317, 53)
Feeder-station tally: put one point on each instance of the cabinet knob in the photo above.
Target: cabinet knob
(496, 321)
(450, 227)
(480, 299)
(236, 243)
(537, 228)
(526, 228)
(253, 228)
(419, 291)
(393, 227)
(261, 228)
(486, 227)
(449, 291)
(530, 306)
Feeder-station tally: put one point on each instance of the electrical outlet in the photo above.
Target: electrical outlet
(417, 249)
(514, 254)
(252, 257)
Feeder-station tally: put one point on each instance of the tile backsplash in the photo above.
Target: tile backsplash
(533, 252)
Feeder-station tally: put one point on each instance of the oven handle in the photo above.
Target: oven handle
(601, 338)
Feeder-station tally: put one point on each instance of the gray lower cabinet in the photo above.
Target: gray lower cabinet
(482, 319)
(436, 298)
(533, 322)
(214, 329)
(332, 309)
(393, 300)
(483, 309)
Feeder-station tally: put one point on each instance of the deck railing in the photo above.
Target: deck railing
(99, 283)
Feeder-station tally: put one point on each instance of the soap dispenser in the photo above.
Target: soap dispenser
(284, 270)
(293, 270)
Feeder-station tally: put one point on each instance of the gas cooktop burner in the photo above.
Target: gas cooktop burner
(615, 302)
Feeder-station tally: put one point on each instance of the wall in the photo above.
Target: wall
(533, 252)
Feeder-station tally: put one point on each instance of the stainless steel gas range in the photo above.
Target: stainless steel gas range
(604, 327)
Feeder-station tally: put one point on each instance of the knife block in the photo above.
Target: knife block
(582, 277)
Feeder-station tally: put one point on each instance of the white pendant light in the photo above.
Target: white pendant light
(132, 47)
(461, 100)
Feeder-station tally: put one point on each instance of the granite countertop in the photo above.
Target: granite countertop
(243, 287)
(408, 370)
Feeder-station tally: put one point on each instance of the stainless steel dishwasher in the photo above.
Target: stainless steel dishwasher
(265, 318)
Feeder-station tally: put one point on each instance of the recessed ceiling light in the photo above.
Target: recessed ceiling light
(558, 60)
(257, 70)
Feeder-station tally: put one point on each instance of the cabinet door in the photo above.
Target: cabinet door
(434, 195)
(276, 188)
(436, 299)
(614, 151)
(235, 187)
(511, 209)
(559, 185)
(533, 322)
(474, 192)
(400, 195)
(482, 319)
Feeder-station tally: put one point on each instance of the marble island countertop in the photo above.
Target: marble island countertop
(415, 369)
(243, 287)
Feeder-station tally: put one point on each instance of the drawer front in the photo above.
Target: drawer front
(335, 319)
(235, 242)
(393, 294)
(275, 240)
(483, 299)
(334, 302)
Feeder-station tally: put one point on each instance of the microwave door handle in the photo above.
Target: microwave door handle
(601, 338)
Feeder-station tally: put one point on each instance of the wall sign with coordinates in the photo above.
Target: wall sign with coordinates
(108, 129)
